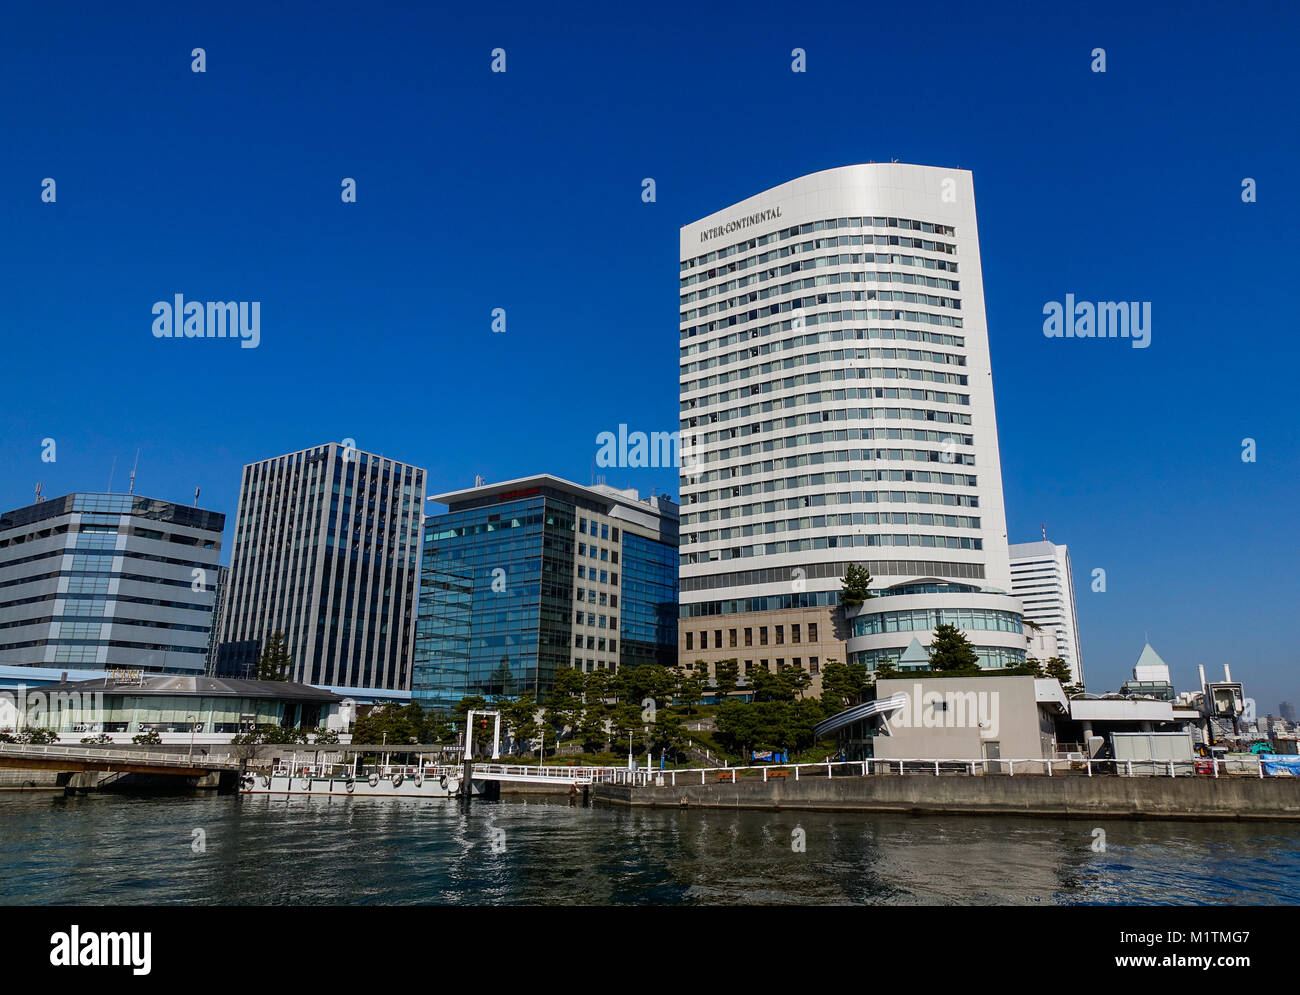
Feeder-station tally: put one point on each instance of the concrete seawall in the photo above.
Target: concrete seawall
(1201, 798)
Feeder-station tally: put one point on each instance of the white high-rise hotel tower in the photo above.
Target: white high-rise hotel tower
(837, 397)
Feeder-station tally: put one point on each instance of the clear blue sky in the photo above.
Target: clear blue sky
(522, 190)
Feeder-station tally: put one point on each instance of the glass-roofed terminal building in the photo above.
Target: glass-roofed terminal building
(522, 578)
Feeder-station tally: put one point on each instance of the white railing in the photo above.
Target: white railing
(82, 753)
(1008, 766)
(551, 773)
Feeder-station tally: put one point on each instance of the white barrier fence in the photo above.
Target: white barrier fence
(935, 767)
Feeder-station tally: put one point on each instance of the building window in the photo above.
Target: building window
(762, 635)
(749, 637)
(812, 632)
(794, 633)
(780, 635)
(690, 640)
(731, 639)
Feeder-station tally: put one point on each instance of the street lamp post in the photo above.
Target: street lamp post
(193, 723)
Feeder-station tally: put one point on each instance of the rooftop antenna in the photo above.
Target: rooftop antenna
(39, 499)
(196, 497)
(478, 480)
(1044, 532)
(111, 472)
(131, 487)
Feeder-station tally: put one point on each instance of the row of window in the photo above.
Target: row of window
(926, 620)
(825, 521)
(804, 320)
(762, 467)
(807, 360)
(820, 500)
(839, 259)
(799, 400)
(747, 634)
(797, 304)
(835, 477)
(989, 657)
(803, 441)
(594, 620)
(605, 532)
(596, 643)
(603, 576)
(747, 340)
(833, 569)
(591, 596)
(801, 321)
(826, 356)
(812, 227)
(836, 375)
(831, 542)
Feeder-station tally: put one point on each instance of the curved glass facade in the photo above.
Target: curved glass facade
(927, 619)
(990, 657)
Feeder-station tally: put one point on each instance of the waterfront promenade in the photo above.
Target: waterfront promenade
(950, 788)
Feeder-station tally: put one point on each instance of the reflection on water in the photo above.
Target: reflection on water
(323, 851)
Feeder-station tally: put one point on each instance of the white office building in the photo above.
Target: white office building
(326, 547)
(1042, 580)
(836, 408)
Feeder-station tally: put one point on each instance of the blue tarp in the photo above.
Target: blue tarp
(1277, 763)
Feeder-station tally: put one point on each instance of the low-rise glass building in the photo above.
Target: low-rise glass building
(125, 705)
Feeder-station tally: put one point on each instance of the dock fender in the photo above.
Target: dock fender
(266, 780)
(443, 780)
(419, 780)
(350, 784)
(397, 779)
(374, 780)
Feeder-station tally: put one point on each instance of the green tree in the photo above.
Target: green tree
(737, 726)
(625, 719)
(855, 587)
(150, 738)
(650, 681)
(951, 652)
(275, 663)
(564, 705)
(668, 736)
(1059, 669)
(726, 677)
(690, 692)
(325, 737)
(1035, 667)
(463, 707)
(38, 737)
(520, 717)
(103, 739)
(596, 687)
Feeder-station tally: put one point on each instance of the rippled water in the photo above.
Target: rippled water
(265, 850)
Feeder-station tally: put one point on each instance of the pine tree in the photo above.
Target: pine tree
(854, 589)
(951, 651)
(275, 663)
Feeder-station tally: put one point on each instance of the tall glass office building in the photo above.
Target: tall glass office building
(837, 393)
(522, 578)
(325, 551)
(108, 581)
